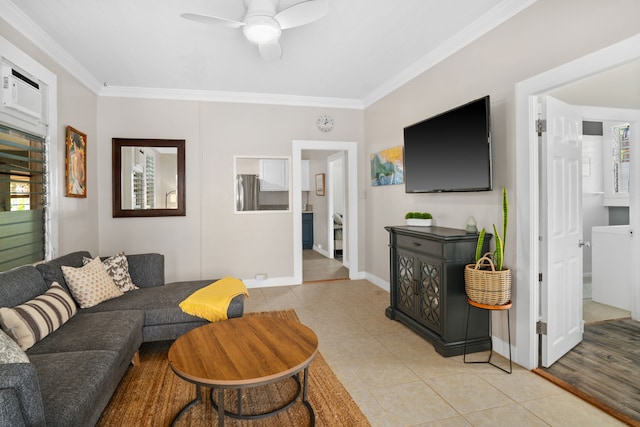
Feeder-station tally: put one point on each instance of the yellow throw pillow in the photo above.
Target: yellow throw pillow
(212, 302)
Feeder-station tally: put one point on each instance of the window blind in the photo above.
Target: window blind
(22, 198)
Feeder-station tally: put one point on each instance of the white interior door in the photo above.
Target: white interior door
(561, 229)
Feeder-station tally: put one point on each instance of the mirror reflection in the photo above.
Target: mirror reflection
(261, 184)
(148, 177)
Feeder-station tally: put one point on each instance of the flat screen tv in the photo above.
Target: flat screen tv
(451, 151)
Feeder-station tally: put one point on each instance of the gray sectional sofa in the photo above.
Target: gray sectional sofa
(73, 372)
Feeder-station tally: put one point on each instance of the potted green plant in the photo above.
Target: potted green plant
(488, 281)
(420, 219)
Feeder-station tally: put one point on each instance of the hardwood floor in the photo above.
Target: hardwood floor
(603, 368)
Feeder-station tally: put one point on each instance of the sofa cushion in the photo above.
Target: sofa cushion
(119, 331)
(30, 322)
(10, 351)
(146, 270)
(76, 385)
(118, 269)
(21, 284)
(90, 284)
(52, 272)
(160, 303)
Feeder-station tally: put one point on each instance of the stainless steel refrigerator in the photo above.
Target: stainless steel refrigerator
(247, 187)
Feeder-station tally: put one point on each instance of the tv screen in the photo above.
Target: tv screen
(450, 151)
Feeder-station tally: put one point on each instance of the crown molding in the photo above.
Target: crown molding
(233, 97)
(490, 20)
(25, 26)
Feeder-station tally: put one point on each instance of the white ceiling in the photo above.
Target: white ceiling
(358, 52)
(618, 87)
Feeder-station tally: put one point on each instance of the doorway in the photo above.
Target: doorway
(350, 233)
(607, 210)
(585, 206)
(323, 260)
(527, 188)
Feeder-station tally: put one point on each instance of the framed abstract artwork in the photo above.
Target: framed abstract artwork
(75, 163)
(387, 167)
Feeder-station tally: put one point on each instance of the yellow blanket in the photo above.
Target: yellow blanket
(212, 301)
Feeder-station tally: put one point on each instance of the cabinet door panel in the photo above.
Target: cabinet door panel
(429, 310)
(406, 289)
(274, 175)
(307, 231)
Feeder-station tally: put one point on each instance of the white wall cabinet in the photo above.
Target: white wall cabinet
(305, 179)
(274, 175)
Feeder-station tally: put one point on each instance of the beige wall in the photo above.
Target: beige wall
(77, 107)
(546, 35)
(211, 241)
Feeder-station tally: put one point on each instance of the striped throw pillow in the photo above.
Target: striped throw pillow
(30, 322)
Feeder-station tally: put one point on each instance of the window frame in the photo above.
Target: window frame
(46, 127)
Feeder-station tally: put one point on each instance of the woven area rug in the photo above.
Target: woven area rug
(150, 394)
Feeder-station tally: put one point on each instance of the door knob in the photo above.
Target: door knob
(582, 243)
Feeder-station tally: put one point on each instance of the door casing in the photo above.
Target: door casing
(526, 304)
(351, 150)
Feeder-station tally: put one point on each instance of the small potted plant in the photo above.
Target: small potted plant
(419, 219)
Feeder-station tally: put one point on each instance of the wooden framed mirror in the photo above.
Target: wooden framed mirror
(148, 177)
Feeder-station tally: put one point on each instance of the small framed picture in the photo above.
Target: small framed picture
(76, 163)
(320, 184)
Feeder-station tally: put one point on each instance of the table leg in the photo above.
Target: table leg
(198, 399)
(220, 407)
(305, 400)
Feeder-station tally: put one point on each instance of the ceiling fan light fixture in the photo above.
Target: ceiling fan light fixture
(262, 30)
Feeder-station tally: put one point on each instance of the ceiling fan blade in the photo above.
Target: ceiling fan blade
(271, 51)
(302, 13)
(214, 20)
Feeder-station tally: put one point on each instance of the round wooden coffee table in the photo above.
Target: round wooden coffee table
(244, 352)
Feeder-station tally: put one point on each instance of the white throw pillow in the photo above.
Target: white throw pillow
(118, 268)
(90, 284)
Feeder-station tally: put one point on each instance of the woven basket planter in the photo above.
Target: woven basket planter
(484, 285)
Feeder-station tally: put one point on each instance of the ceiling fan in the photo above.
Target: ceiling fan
(263, 23)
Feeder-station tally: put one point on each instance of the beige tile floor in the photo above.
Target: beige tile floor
(594, 312)
(398, 379)
(316, 266)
